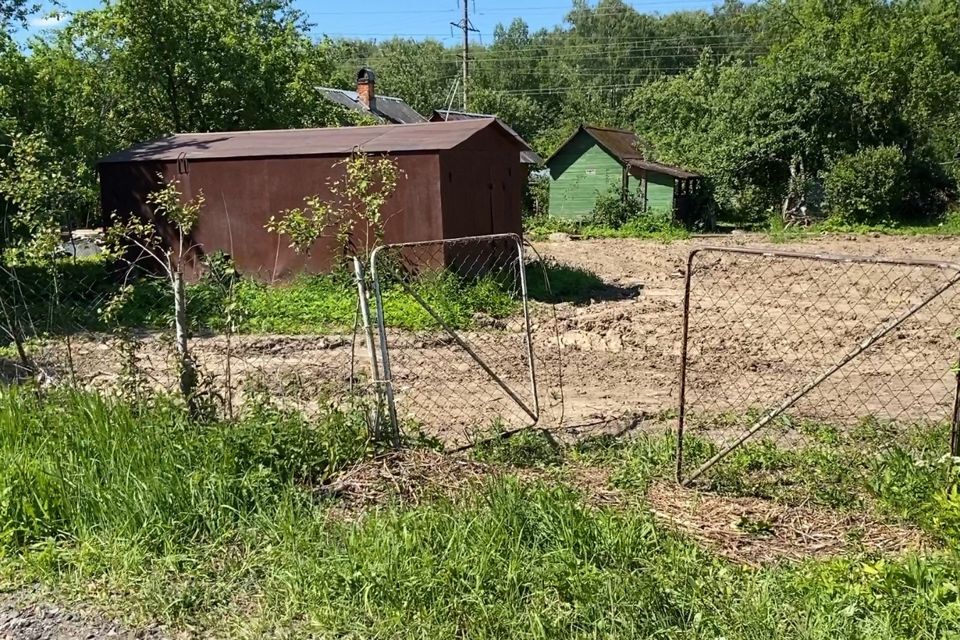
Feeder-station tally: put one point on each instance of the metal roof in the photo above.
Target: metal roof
(666, 169)
(528, 156)
(396, 138)
(387, 108)
(622, 144)
(619, 142)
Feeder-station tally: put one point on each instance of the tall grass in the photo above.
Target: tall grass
(648, 226)
(219, 529)
(74, 464)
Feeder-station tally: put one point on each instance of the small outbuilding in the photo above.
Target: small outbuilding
(596, 159)
(528, 157)
(457, 179)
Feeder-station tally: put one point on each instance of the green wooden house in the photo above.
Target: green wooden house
(596, 159)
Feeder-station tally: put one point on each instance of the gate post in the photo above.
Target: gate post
(385, 351)
(955, 424)
(371, 348)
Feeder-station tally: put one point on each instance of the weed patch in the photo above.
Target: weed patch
(650, 227)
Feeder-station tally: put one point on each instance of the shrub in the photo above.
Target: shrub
(536, 197)
(613, 209)
(868, 187)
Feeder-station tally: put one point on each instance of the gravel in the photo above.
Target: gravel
(22, 619)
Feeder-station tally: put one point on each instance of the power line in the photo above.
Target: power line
(575, 62)
(622, 46)
(636, 45)
(566, 7)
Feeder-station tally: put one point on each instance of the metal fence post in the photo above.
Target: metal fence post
(526, 323)
(684, 344)
(385, 351)
(955, 425)
(371, 346)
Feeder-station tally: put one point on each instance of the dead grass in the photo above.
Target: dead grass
(756, 532)
(749, 531)
(413, 476)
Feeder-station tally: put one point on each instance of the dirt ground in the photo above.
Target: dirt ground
(760, 329)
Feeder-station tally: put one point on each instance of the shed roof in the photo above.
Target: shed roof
(528, 156)
(387, 108)
(398, 138)
(666, 169)
(622, 144)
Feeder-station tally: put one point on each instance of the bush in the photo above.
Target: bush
(613, 209)
(536, 197)
(868, 187)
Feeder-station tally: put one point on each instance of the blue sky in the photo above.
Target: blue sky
(381, 19)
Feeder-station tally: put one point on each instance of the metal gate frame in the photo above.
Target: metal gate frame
(878, 334)
(387, 375)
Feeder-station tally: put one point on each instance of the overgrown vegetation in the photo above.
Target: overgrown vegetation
(902, 470)
(307, 304)
(652, 226)
(615, 215)
(227, 530)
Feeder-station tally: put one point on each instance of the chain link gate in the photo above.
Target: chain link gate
(844, 350)
(453, 326)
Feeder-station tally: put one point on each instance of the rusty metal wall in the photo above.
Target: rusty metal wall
(242, 194)
(482, 186)
(473, 189)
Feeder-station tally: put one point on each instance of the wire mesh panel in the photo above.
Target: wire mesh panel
(88, 323)
(454, 329)
(789, 351)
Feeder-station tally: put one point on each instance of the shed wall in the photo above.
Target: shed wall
(659, 192)
(580, 171)
(482, 187)
(242, 194)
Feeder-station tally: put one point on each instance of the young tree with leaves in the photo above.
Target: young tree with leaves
(353, 213)
(139, 240)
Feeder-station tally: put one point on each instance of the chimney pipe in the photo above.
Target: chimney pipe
(366, 81)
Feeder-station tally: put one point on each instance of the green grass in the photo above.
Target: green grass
(220, 529)
(552, 281)
(649, 227)
(902, 470)
(949, 226)
(72, 297)
(308, 304)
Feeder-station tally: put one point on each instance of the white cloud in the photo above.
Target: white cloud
(52, 20)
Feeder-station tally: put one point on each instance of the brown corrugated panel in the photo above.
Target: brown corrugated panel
(527, 155)
(429, 136)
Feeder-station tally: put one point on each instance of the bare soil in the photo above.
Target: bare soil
(760, 329)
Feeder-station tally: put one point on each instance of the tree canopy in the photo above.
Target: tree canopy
(766, 99)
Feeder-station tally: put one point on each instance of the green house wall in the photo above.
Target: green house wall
(659, 192)
(582, 170)
(579, 171)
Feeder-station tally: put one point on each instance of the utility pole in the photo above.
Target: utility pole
(465, 26)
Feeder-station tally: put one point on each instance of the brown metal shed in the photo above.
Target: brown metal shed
(458, 179)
